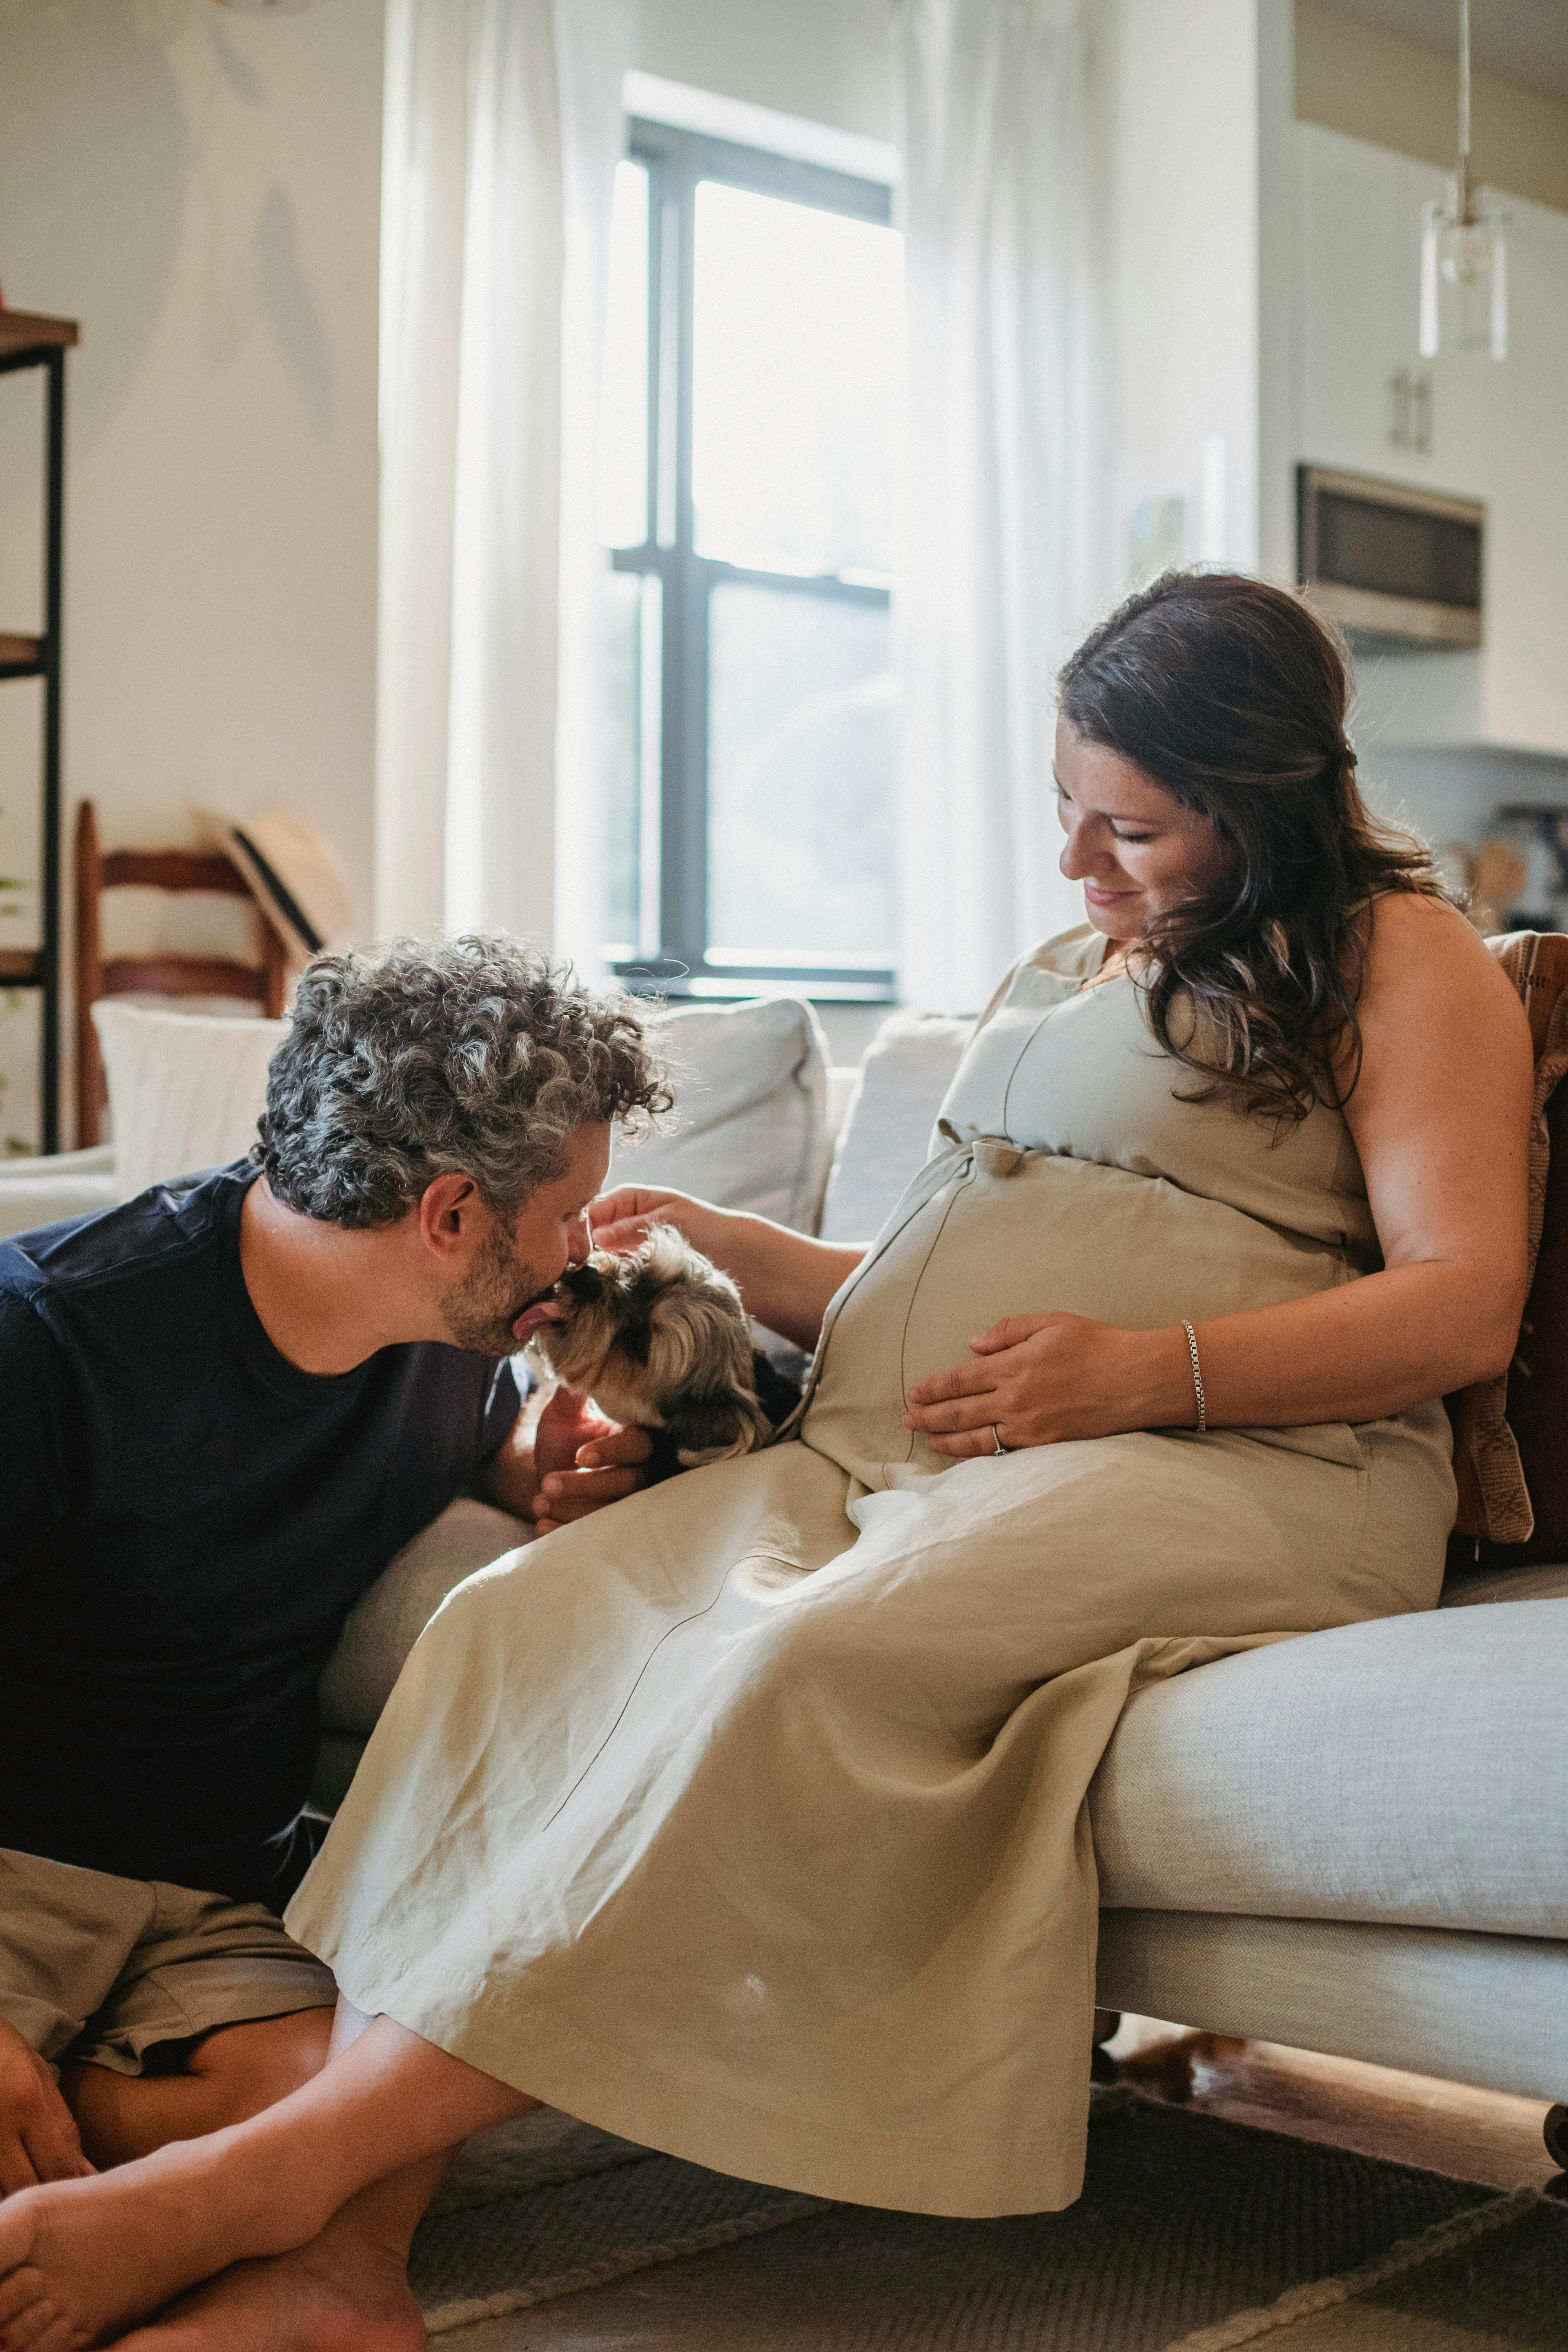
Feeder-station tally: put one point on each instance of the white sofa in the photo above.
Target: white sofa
(1355, 1842)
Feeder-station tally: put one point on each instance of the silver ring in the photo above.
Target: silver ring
(997, 1439)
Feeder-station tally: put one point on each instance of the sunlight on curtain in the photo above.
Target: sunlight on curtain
(594, 47)
(996, 575)
(504, 128)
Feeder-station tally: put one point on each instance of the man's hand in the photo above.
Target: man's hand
(583, 1462)
(38, 2137)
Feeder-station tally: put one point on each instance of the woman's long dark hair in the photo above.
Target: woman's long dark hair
(1232, 695)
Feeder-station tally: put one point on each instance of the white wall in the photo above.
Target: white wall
(829, 60)
(201, 189)
(1358, 79)
(1193, 98)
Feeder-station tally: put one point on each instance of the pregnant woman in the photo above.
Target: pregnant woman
(748, 1818)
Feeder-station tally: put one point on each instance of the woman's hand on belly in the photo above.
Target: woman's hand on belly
(1037, 1380)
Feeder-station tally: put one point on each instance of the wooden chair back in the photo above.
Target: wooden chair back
(98, 871)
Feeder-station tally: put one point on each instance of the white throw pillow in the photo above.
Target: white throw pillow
(751, 1130)
(185, 1090)
(886, 1134)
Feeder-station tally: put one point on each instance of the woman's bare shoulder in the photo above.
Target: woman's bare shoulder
(1427, 964)
(1412, 932)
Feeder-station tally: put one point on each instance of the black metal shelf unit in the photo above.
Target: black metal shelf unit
(30, 340)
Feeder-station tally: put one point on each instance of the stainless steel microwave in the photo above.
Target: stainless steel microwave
(1390, 560)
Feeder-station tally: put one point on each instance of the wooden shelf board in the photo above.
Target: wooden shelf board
(21, 967)
(26, 330)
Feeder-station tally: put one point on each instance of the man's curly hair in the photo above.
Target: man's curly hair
(475, 1054)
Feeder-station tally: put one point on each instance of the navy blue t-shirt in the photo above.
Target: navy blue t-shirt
(185, 1521)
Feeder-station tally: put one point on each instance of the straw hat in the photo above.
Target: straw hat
(292, 874)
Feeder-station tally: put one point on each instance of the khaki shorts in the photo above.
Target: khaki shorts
(103, 1969)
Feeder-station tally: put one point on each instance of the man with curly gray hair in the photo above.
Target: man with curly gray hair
(228, 1404)
(450, 1085)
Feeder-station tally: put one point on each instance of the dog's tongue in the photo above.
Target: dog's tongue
(543, 1310)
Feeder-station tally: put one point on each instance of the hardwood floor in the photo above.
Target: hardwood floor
(1407, 2119)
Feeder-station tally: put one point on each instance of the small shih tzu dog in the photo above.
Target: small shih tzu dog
(660, 1338)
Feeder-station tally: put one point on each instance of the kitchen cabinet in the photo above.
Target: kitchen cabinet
(1368, 400)
(1495, 431)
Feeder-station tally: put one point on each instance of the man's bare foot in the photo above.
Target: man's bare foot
(340, 2293)
(102, 2254)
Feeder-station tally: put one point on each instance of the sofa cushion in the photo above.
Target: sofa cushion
(751, 1132)
(185, 1090)
(1412, 1771)
(886, 1134)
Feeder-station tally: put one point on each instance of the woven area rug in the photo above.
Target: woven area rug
(1191, 2234)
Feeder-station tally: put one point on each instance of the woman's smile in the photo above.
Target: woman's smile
(1137, 850)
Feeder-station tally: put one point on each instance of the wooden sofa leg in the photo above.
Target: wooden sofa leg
(1555, 2132)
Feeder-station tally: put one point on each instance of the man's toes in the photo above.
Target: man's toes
(37, 2319)
(19, 2290)
(60, 2336)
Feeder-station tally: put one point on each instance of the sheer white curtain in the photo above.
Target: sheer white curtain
(996, 575)
(503, 126)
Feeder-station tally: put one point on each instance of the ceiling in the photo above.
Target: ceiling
(1521, 40)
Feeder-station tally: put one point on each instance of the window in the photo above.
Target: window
(749, 449)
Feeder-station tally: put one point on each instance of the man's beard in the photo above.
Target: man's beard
(479, 1311)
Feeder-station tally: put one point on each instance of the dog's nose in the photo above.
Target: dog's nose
(583, 1284)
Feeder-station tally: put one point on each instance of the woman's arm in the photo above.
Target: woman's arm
(1440, 1118)
(785, 1278)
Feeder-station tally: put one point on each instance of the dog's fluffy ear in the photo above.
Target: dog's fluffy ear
(715, 1427)
(666, 1252)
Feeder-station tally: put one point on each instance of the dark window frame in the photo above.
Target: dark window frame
(676, 160)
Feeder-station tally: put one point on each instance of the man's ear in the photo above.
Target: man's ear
(446, 1212)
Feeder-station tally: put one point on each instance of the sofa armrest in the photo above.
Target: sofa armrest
(385, 1622)
(66, 1184)
(97, 1161)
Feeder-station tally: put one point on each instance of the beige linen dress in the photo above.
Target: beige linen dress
(748, 1818)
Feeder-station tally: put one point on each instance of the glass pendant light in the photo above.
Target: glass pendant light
(1464, 261)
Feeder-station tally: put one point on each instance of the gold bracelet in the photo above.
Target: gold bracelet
(1197, 1376)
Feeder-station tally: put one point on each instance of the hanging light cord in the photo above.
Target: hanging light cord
(1462, 176)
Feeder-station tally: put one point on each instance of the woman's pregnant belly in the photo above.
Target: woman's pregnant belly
(1030, 1233)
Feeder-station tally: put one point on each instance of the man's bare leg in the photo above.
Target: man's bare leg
(347, 2291)
(227, 2075)
(80, 2259)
